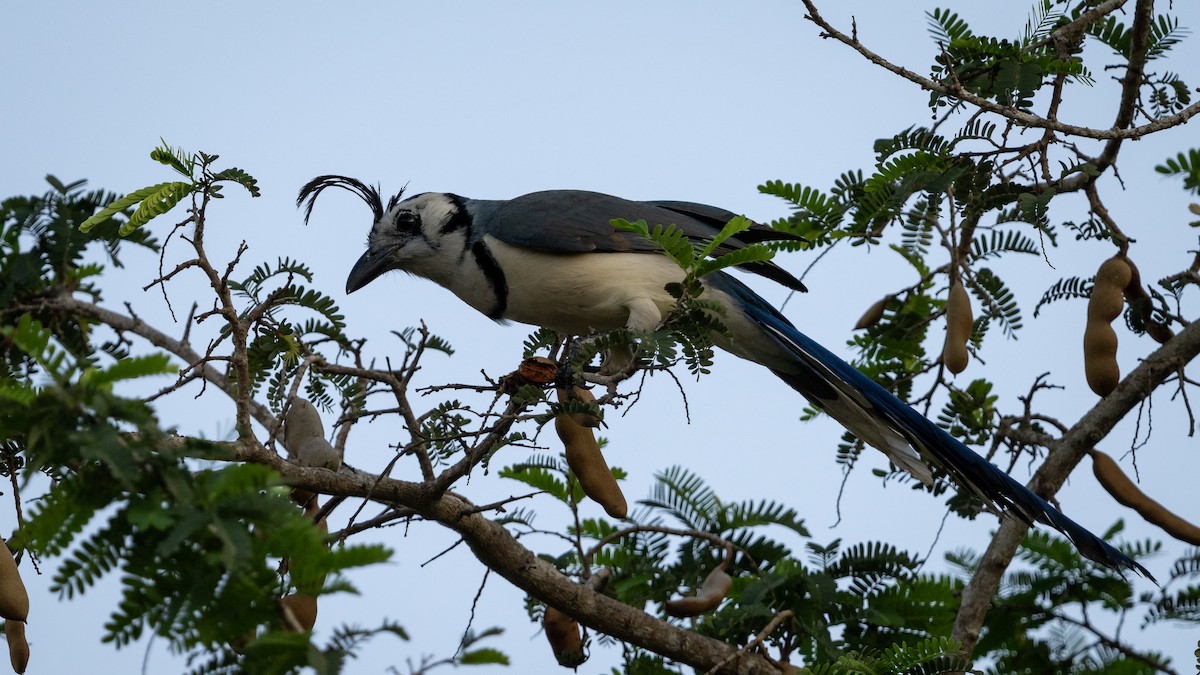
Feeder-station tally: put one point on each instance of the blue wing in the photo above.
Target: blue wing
(578, 221)
(832, 384)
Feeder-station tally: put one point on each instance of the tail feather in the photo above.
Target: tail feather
(878, 417)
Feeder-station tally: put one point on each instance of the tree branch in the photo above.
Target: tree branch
(1021, 117)
(1064, 455)
(496, 548)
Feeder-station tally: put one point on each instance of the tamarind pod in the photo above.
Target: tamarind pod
(299, 612)
(302, 497)
(312, 510)
(1160, 332)
(1100, 358)
(1109, 474)
(14, 599)
(1099, 339)
(18, 646)
(584, 395)
(714, 589)
(958, 328)
(588, 465)
(564, 636)
(1139, 301)
(318, 452)
(302, 423)
(873, 314)
(538, 370)
(1108, 287)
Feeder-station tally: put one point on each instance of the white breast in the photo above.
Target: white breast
(581, 293)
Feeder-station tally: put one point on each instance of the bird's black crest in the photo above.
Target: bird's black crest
(368, 193)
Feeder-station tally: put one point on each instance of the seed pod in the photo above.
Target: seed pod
(538, 370)
(302, 497)
(1125, 491)
(18, 647)
(318, 452)
(1142, 304)
(312, 510)
(873, 314)
(1100, 358)
(1099, 338)
(958, 328)
(714, 589)
(587, 462)
(299, 612)
(302, 423)
(581, 394)
(565, 638)
(14, 599)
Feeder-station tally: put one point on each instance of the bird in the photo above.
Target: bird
(553, 259)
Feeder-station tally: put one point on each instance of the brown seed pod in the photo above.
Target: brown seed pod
(14, 599)
(1099, 338)
(873, 314)
(714, 589)
(318, 452)
(587, 462)
(1106, 301)
(312, 510)
(958, 328)
(538, 370)
(1142, 304)
(565, 638)
(1125, 491)
(302, 423)
(302, 497)
(18, 646)
(299, 612)
(1100, 357)
(581, 394)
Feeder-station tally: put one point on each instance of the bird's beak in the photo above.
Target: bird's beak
(368, 268)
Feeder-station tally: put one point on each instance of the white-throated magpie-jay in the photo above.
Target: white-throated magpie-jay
(553, 259)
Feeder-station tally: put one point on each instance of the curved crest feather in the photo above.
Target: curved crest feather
(368, 193)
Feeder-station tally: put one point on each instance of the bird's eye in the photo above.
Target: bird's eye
(408, 221)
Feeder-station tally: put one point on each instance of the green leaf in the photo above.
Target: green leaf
(156, 204)
(120, 205)
(537, 478)
(240, 177)
(174, 158)
(736, 225)
(1186, 165)
(483, 655)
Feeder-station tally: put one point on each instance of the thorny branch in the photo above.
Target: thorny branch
(1025, 119)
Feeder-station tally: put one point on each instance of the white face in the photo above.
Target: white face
(417, 235)
(423, 215)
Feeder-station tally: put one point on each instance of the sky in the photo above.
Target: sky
(698, 101)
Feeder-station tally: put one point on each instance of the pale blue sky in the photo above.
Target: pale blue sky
(699, 101)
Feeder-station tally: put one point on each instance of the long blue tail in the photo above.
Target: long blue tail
(871, 412)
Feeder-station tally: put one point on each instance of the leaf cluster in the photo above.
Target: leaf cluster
(195, 547)
(155, 200)
(281, 340)
(43, 255)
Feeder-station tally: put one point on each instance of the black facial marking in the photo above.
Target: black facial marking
(459, 219)
(495, 276)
